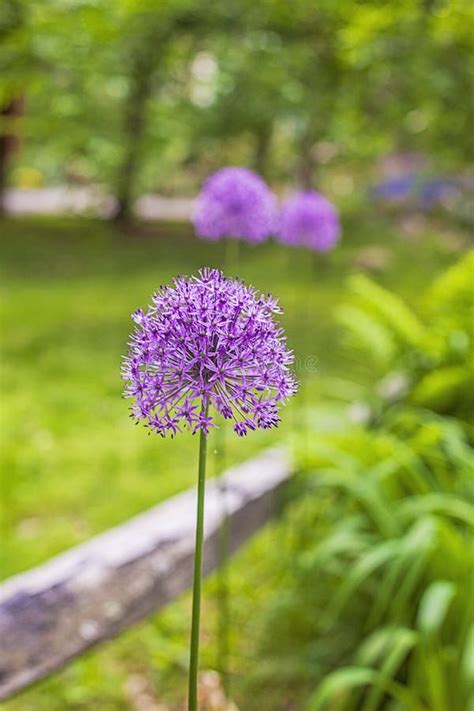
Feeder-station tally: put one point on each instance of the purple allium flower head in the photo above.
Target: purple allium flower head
(208, 340)
(310, 220)
(235, 202)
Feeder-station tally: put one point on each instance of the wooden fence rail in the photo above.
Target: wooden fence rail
(53, 613)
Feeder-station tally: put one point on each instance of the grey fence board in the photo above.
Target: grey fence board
(53, 613)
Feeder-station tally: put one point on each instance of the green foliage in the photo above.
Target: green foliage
(430, 352)
(99, 76)
(376, 602)
(376, 598)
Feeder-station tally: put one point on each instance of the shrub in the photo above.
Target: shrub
(374, 610)
(431, 353)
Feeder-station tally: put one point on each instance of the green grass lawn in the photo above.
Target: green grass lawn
(72, 462)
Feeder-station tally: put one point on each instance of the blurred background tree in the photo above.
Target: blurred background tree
(143, 97)
(15, 62)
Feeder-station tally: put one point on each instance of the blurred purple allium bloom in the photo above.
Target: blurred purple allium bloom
(310, 220)
(398, 188)
(208, 339)
(435, 191)
(235, 202)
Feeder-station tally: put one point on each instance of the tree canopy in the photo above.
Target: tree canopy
(141, 96)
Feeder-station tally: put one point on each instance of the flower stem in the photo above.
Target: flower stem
(224, 607)
(223, 629)
(197, 584)
(232, 256)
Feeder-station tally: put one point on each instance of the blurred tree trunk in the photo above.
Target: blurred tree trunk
(147, 40)
(3, 158)
(143, 50)
(8, 142)
(134, 130)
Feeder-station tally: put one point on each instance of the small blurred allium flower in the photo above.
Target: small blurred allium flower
(308, 219)
(205, 341)
(235, 202)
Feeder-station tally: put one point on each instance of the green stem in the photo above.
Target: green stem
(197, 584)
(223, 579)
(232, 256)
